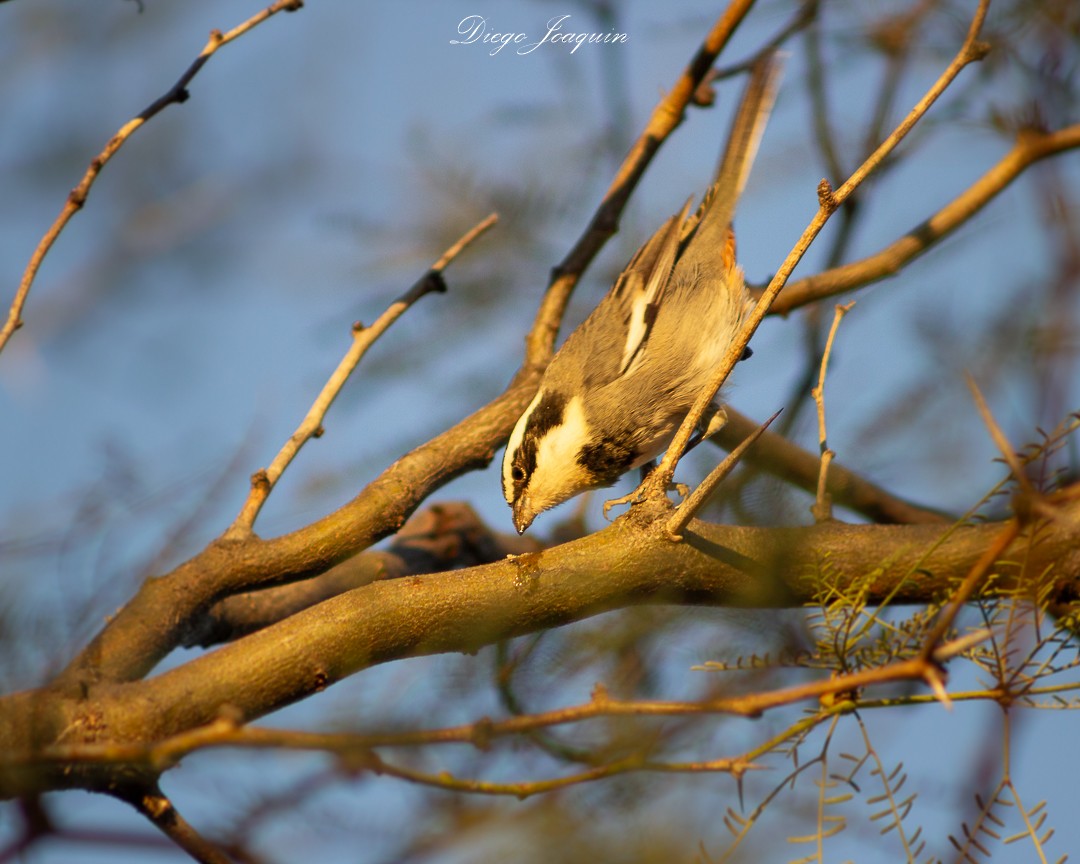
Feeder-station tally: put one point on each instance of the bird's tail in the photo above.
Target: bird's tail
(718, 208)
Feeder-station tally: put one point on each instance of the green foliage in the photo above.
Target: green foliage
(1025, 658)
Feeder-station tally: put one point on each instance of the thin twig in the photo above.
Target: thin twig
(828, 201)
(77, 197)
(931, 647)
(785, 459)
(1000, 441)
(997, 548)
(894, 36)
(226, 731)
(263, 481)
(705, 489)
(1030, 148)
(822, 508)
(161, 812)
(803, 18)
(445, 780)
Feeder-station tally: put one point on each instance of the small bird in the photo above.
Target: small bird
(618, 389)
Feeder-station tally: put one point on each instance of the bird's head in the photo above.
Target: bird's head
(546, 457)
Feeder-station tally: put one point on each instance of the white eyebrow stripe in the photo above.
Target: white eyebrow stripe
(514, 443)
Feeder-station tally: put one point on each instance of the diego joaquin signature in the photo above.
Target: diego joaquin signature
(475, 29)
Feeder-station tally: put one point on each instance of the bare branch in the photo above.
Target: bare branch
(223, 733)
(1031, 147)
(666, 117)
(802, 19)
(357, 749)
(154, 621)
(822, 508)
(976, 575)
(263, 481)
(1000, 441)
(444, 536)
(77, 197)
(689, 508)
(528, 788)
(465, 609)
(788, 461)
(164, 816)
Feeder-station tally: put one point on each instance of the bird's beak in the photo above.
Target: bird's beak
(523, 514)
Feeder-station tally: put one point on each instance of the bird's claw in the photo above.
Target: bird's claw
(633, 498)
(638, 495)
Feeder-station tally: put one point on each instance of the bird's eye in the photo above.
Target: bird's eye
(517, 474)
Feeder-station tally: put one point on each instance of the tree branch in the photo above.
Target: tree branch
(443, 536)
(153, 622)
(166, 818)
(77, 197)
(264, 480)
(1031, 147)
(790, 462)
(356, 747)
(828, 201)
(630, 562)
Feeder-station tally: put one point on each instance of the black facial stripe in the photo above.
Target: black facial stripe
(607, 460)
(525, 463)
(546, 416)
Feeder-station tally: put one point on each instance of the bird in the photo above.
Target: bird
(617, 390)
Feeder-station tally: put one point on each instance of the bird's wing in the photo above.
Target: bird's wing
(621, 324)
(640, 286)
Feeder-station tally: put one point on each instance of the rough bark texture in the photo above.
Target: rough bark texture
(631, 562)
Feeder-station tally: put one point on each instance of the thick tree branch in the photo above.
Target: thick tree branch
(628, 563)
(450, 535)
(154, 620)
(226, 732)
(357, 750)
(443, 536)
